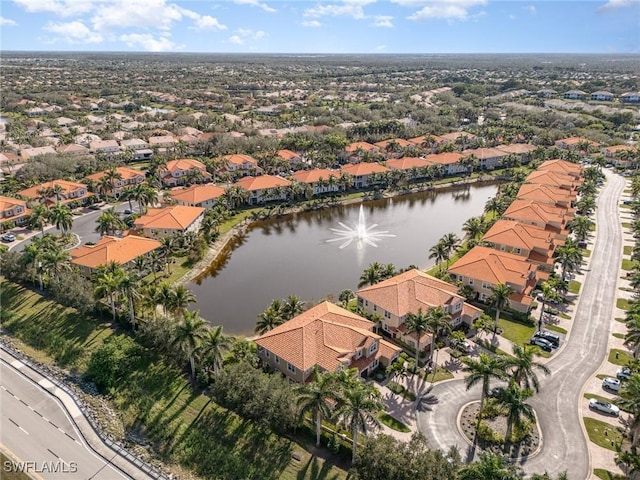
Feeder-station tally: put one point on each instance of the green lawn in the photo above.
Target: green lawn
(515, 331)
(155, 398)
(628, 264)
(393, 423)
(586, 253)
(556, 328)
(607, 475)
(619, 357)
(626, 225)
(602, 433)
(402, 391)
(441, 374)
(627, 250)
(574, 286)
(7, 471)
(622, 303)
(618, 335)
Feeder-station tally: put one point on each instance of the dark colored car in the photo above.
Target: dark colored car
(550, 337)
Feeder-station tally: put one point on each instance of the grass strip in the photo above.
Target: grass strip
(602, 433)
(393, 423)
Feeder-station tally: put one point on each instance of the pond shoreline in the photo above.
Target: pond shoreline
(225, 240)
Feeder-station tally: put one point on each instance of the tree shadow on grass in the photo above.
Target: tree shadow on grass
(314, 470)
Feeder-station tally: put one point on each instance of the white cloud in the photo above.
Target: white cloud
(512, 17)
(311, 23)
(149, 43)
(7, 22)
(531, 9)
(256, 3)
(242, 35)
(445, 9)
(207, 22)
(382, 21)
(380, 48)
(237, 40)
(74, 32)
(62, 8)
(347, 8)
(612, 4)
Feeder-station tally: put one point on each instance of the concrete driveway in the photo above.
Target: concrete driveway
(559, 404)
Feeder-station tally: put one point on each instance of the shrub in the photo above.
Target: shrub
(109, 363)
(486, 433)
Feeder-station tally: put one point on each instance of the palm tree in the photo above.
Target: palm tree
(188, 335)
(292, 306)
(107, 280)
(548, 294)
(33, 256)
(57, 191)
(61, 216)
(418, 323)
(451, 242)
(128, 194)
(108, 222)
(438, 321)
(268, 320)
(54, 261)
(318, 399)
(38, 218)
(499, 299)
(523, 365)
(357, 409)
(483, 370)
(569, 256)
(632, 336)
(630, 402)
(345, 297)
(213, 347)
(513, 399)
(489, 467)
(438, 252)
(473, 227)
(164, 296)
(580, 226)
(235, 195)
(179, 300)
(371, 275)
(129, 286)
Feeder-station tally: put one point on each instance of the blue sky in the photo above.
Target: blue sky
(322, 26)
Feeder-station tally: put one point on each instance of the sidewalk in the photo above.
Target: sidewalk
(109, 450)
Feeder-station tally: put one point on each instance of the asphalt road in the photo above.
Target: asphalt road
(559, 402)
(35, 429)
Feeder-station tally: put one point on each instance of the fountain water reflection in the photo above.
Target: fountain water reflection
(360, 232)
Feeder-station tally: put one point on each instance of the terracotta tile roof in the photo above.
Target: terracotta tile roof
(363, 168)
(545, 193)
(517, 148)
(240, 158)
(493, 266)
(406, 163)
(552, 178)
(353, 147)
(576, 141)
(288, 154)
(125, 172)
(453, 136)
(113, 249)
(420, 140)
(67, 187)
(197, 193)
(529, 210)
(445, 158)
(561, 166)
(314, 175)
(73, 148)
(262, 182)
(519, 235)
(410, 291)
(402, 143)
(177, 217)
(8, 203)
(484, 153)
(325, 335)
(185, 164)
(618, 148)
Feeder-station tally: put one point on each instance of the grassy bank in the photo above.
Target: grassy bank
(154, 399)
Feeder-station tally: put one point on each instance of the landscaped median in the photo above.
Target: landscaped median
(154, 398)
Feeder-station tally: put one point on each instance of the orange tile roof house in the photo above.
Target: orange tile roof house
(533, 243)
(130, 176)
(326, 336)
(362, 173)
(294, 159)
(111, 249)
(204, 196)
(13, 210)
(354, 152)
(162, 222)
(393, 299)
(561, 167)
(427, 142)
(483, 268)
(523, 150)
(613, 150)
(241, 163)
(386, 147)
(546, 194)
(264, 188)
(73, 150)
(450, 162)
(318, 179)
(69, 192)
(554, 179)
(543, 215)
(457, 137)
(574, 143)
(412, 164)
(177, 172)
(488, 158)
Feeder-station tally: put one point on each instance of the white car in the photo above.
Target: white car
(623, 373)
(604, 407)
(611, 383)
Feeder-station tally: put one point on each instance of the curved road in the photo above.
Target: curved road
(559, 402)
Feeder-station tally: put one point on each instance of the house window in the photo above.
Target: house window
(373, 347)
(277, 359)
(359, 353)
(291, 368)
(387, 314)
(518, 251)
(374, 364)
(471, 281)
(483, 297)
(458, 306)
(375, 308)
(486, 286)
(267, 353)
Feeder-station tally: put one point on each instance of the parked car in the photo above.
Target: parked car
(8, 237)
(495, 392)
(623, 373)
(128, 211)
(611, 383)
(462, 345)
(551, 337)
(545, 345)
(604, 407)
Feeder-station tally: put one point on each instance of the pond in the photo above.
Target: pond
(292, 256)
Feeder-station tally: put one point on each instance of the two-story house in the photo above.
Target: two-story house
(241, 164)
(356, 151)
(166, 221)
(554, 179)
(326, 337)
(602, 96)
(562, 167)
(294, 159)
(264, 188)
(488, 158)
(363, 173)
(630, 97)
(394, 147)
(57, 191)
(482, 268)
(162, 142)
(30, 153)
(542, 215)
(395, 298)
(13, 211)
(205, 196)
(415, 167)
(180, 171)
(546, 194)
(128, 176)
(522, 150)
(109, 147)
(450, 161)
(533, 243)
(320, 180)
(574, 95)
(138, 147)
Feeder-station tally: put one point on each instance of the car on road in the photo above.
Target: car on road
(128, 211)
(604, 407)
(495, 392)
(624, 373)
(611, 383)
(461, 345)
(8, 237)
(545, 345)
(550, 337)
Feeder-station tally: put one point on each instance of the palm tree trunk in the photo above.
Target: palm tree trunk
(192, 363)
(507, 437)
(113, 305)
(418, 350)
(318, 428)
(354, 445)
(495, 323)
(132, 313)
(435, 366)
(541, 314)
